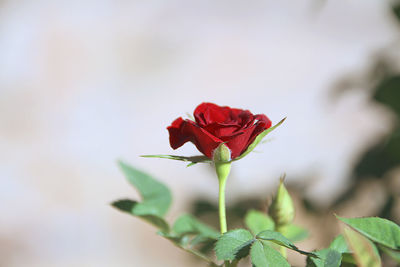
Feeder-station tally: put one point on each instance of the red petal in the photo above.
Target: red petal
(262, 119)
(222, 130)
(182, 131)
(207, 113)
(176, 138)
(239, 143)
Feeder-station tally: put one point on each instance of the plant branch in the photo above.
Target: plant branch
(200, 256)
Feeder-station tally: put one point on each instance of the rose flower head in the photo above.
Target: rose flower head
(215, 125)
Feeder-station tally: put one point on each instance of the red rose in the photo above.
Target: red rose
(214, 125)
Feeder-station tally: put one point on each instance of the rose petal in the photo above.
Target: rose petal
(239, 143)
(182, 131)
(263, 120)
(247, 118)
(176, 138)
(221, 130)
(207, 113)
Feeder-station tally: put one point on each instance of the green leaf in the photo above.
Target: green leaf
(156, 197)
(187, 224)
(395, 255)
(258, 139)
(326, 258)
(257, 221)
(339, 244)
(294, 232)
(199, 239)
(193, 159)
(231, 243)
(180, 242)
(380, 230)
(281, 240)
(263, 255)
(129, 206)
(332, 258)
(364, 250)
(177, 240)
(348, 259)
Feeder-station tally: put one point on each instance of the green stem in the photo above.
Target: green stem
(282, 249)
(222, 211)
(222, 169)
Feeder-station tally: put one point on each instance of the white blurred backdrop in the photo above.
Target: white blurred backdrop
(84, 83)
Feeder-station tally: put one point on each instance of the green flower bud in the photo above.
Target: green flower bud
(221, 158)
(222, 153)
(282, 209)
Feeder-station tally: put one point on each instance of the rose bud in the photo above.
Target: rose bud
(282, 209)
(222, 154)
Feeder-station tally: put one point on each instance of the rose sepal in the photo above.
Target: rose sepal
(258, 140)
(193, 159)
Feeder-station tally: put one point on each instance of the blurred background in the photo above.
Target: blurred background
(84, 83)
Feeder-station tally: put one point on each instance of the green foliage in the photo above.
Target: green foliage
(385, 155)
(128, 206)
(364, 250)
(355, 248)
(339, 244)
(257, 221)
(189, 233)
(192, 160)
(156, 197)
(395, 255)
(156, 200)
(182, 243)
(176, 239)
(281, 240)
(233, 244)
(380, 158)
(325, 258)
(258, 139)
(262, 255)
(187, 224)
(294, 232)
(348, 260)
(379, 230)
(338, 254)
